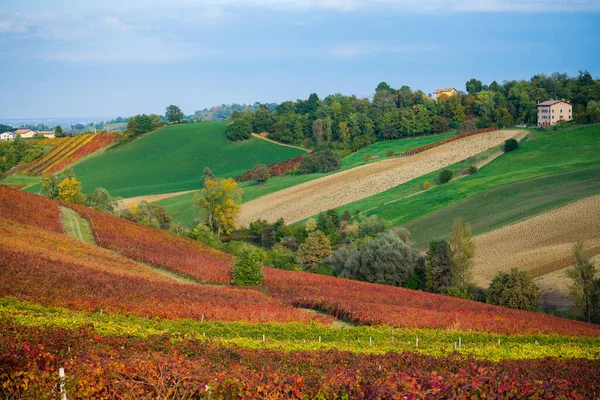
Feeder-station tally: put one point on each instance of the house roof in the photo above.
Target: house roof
(46, 133)
(551, 102)
(443, 90)
(22, 131)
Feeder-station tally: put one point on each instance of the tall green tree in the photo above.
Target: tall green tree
(315, 249)
(174, 114)
(584, 289)
(58, 132)
(463, 253)
(439, 267)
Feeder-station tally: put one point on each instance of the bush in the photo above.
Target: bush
(240, 129)
(389, 153)
(248, 269)
(260, 174)
(426, 185)
(327, 161)
(366, 157)
(510, 145)
(307, 165)
(514, 290)
(472, 169)
(281, 257)
(445, 176)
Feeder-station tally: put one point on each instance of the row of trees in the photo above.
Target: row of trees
(352, 122)
(17, 151)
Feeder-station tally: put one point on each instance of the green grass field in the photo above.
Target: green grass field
(184, 209)
(172, 159)
(541, 155)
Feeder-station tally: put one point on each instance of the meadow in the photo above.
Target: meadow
(172, 159)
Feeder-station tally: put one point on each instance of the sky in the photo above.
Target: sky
(119, 58)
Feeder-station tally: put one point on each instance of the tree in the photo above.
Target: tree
(314, 250)
(514, 290)
(467, 126)
(248, 269)
(140, 124)
(221, 198)
(173, 114)
(366, 157)
(101, 200)
(445, 176)
(58, 132)
(593, 111)
(281, 257)
(69, 190)
(463, 252)
(239, 129)
(344, 132)
(473, 86)
(511, 145)
(317, 130)
(327, 161)
(585, 289)
(385, 259)
(260, 174)
(438, 266)
(307, 165)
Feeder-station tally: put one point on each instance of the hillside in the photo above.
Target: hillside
(172, 159)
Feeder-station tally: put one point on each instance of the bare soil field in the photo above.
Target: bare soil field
(310, 198)
(151, 198)
(541, 244)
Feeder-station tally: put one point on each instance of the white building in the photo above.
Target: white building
(7, 136)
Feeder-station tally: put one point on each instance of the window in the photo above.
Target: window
(552, 111)
(553, 117)
(561, 110)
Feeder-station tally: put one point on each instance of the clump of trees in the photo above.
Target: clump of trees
(142, 123)
(322, 161)
(514, 290)
(221, 199)
(239, 129)
(148, 214)
(17, 151)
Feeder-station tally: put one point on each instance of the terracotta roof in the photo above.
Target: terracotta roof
(21, 131)
(46, 133)
(552, 102)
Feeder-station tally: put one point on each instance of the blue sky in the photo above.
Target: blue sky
(110, 58)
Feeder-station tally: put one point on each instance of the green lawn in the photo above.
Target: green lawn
(184, 209)
(540, 156)
(172, 159)
(28, 181)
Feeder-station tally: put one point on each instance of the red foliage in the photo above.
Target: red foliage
(276, 169)
(100, 140)
(126, 367)
(163, 249)
(29, 209)
(421, 149)
(58, 270)
(371, 304)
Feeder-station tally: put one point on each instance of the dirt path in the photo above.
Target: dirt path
(124, 203)
(310, 198)
(541, 244)
(76, 226)
(257, 135)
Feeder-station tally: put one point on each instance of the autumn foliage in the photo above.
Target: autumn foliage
(67, 151)
(29, 209)
(167, 366)
(275, 169)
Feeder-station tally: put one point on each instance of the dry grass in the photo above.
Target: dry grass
(310, 198)
(542, 244)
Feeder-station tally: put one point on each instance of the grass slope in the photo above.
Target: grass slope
(173, 158)
(184, 209)
(541, 155)
(76, 226)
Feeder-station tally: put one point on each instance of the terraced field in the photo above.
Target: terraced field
(345, 187)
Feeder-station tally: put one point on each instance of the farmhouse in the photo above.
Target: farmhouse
(445, 91)
(25, 133)
(46, 134)
(7, 136)
(552, 112)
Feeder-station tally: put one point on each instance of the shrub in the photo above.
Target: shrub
(316, 248)
(366, 157)
(426, 185)
(510, 145)
(260, 173)
(248, 269)
(327, 161)
(445, 176)
(514, 290)
(240, 129)
(281, 257)
(389, 153)
(472, 169)
(307, 165)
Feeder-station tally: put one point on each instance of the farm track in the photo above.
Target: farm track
(541, 244)
(310, 198)
(258, 136)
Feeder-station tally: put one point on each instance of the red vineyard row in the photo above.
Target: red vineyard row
(124, 367)
(421, 149)
(275, 169)
(99, 141)
(163, 249)
(57, 270)
(29, 209)
(372, 304)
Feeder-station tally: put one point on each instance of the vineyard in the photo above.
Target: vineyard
(30, 210)
(168, 366)
(67, 151)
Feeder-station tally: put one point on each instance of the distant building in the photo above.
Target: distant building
(46, 134)
(7, 136)
(551, 112)
(25, 133)
(445, 91)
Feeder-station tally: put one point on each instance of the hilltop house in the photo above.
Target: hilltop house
(552, 111)
(46, 134)
(25, 133)
(445, 91)
(7, 136)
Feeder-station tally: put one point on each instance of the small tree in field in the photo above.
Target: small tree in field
(445, 176)
(248, 269)
(260, 174)
(389, 153)
(585, 289)
(510, 145)
(514, 290)
(70, 190)
(366, 157)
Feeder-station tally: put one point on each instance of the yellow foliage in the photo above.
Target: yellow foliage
(222, 199)
(70, 190)
(426, 185)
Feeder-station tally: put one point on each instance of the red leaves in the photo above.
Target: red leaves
(276, 169)
(100, 140)
(29, 209)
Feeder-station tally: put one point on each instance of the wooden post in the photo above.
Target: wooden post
(370, 341)
(460, 343)
(263, 338)
(417, 343)
(319, 339)
(63, 391)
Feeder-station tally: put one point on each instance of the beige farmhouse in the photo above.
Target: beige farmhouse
(25, 133)
(552, 112)
(445, 91)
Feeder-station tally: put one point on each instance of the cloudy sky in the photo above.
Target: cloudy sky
(110, 58)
